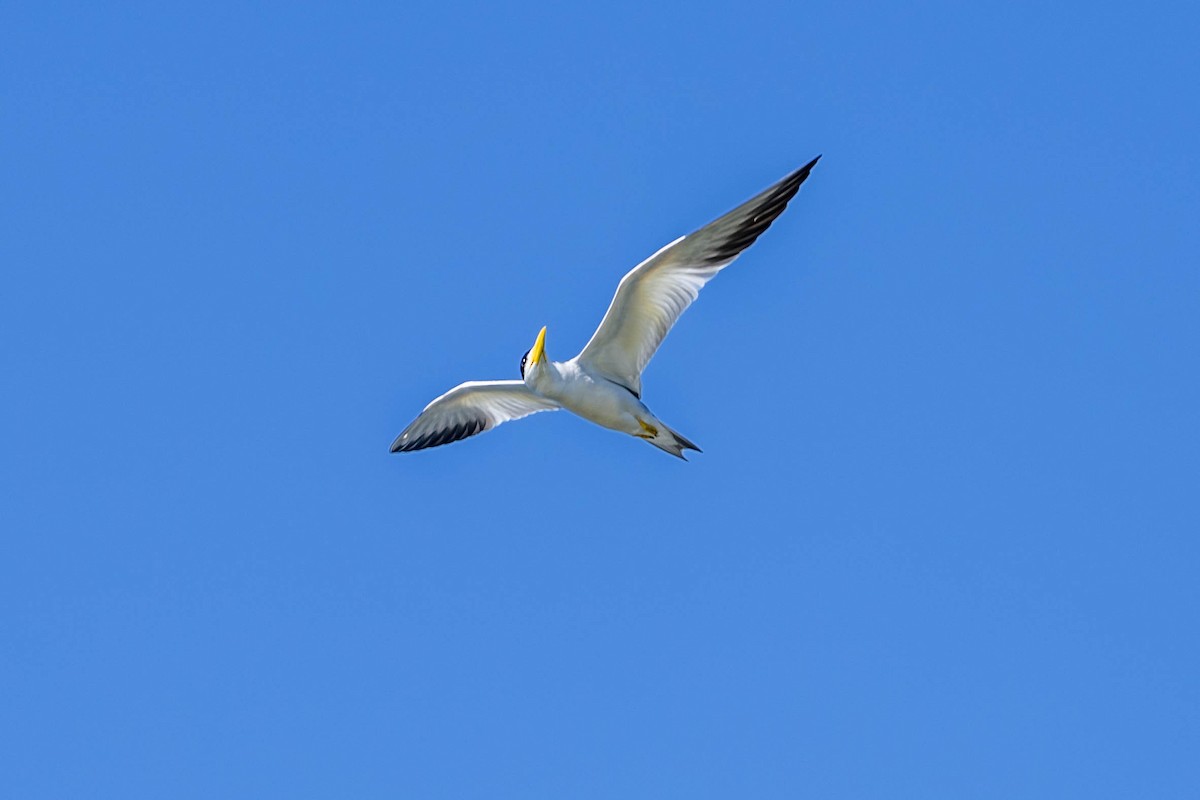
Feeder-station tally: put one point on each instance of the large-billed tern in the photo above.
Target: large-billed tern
(604, 382)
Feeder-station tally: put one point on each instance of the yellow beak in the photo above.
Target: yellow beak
(538, 353)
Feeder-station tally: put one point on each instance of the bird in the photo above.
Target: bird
(603, 384)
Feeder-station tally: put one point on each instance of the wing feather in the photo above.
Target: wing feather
(652, 296)
(467, 409)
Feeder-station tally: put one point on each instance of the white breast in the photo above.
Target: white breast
(594, 398)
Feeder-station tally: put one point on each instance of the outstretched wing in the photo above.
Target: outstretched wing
(467, 409)
(653, 295)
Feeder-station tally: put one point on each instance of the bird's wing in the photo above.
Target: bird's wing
(652, 296)
(467, 409)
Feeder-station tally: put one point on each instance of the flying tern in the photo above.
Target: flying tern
(603, 383)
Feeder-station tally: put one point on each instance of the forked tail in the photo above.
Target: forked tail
(673, 442)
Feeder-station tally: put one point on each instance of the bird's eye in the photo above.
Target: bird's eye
(527, 352)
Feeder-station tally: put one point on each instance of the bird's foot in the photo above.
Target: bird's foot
(650, 431)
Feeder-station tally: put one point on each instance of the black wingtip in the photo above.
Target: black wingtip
(802, 173)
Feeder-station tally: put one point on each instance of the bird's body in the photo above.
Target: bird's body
(592, 397)
(608, 404)
(603, 383)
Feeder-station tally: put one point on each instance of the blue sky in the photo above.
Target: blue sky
(943, 537)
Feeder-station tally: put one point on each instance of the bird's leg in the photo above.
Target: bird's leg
(650, 430)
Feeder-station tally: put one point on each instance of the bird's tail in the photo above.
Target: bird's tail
(673, 442)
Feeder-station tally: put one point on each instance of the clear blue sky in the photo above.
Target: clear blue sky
(942, 540)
